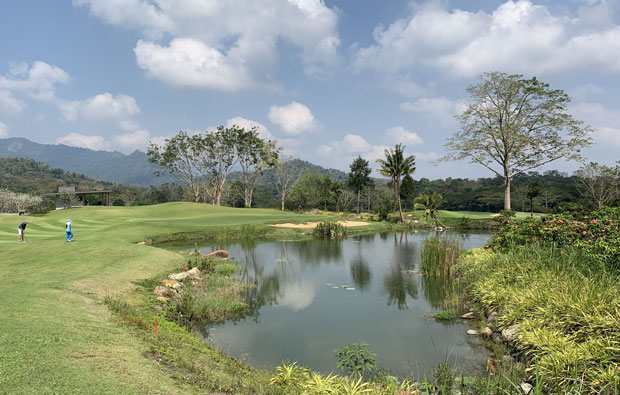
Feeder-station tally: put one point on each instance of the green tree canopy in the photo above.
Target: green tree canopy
(359, 177)
(512, 125)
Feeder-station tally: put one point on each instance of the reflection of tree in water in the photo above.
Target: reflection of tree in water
(397, 282)
(441, 292)
(360, 273)
(315, 252)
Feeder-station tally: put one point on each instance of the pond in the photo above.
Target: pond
(313, 296)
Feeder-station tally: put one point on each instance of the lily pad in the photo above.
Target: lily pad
(335, 287)
(350, 289)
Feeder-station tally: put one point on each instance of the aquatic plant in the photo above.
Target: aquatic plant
(329, 230)
(439, 256)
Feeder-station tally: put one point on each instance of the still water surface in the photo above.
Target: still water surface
(301, 309)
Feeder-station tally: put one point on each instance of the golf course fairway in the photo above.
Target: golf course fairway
(56, 334)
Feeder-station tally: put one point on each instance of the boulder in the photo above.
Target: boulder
(185, 267)
(194, 273)
(142, 243)
(219, 254)
(487, 332)
(526, 387)
(158, 308)
(174, 284)
(179, 276)
(469, 316)
(510, 334)
(163, 299)
(162, 291)
(497, 338)
(472, 332)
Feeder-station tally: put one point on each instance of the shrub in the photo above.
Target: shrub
(118, 202)
(329, 230)
(596, 235)
(356, 358)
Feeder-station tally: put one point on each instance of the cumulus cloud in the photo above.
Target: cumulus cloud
(37, 81)
(97, 143)
(518, 36)
(104, 106)
(4, 131)
(225, 45)
(398, 134)
(435, 109)
(263, 131)
(294, 118)
(138, 139)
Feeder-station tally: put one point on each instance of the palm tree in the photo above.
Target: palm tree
(396, 166)
(431, 205)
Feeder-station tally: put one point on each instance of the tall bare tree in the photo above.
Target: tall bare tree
(286, 178)
(512, 125)
(599, 183)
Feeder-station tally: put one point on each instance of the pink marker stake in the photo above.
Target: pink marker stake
(155, 326)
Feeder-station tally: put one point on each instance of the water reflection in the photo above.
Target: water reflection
(307, 298)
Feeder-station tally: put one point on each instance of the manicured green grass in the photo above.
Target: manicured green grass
(56, 335)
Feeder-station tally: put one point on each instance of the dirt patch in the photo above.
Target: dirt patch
(494, 215)
(312, 225)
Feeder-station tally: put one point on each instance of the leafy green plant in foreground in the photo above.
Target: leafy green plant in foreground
(356, 358)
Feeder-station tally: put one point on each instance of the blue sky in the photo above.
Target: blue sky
(329, 80)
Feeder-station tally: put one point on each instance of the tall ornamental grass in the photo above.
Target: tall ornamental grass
(439, 256)
(568, 311)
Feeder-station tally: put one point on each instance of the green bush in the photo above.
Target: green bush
(118, 202)
(596, 235)
(356, 358)
(329, 230)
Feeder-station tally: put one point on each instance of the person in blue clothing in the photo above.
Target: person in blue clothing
(68, 229)
(21, 230)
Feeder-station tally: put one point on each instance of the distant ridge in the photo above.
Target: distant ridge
(116, 167)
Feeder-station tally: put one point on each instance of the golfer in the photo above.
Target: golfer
(68, 229)
(21, 229)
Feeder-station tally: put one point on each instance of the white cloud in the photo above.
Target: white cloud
(191, 63)
(80, 140)
(104, 106)
(606, 123)
(263, 131)
(294, 118)
(224, 45)
(399, 135)
(37, 81)
(134, 140)
(435, 109)
(518, 37)
(4, 131)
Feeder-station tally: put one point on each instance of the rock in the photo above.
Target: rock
(525, 387)
(185, 267)
(174, 284)
(472, 332)
(163, 299)
(510, 333)
(158, 308)
(162, 291)
(507, 360)
(487, 332)
(219, 254)
(194, 273)
(492, 317)
(142, 243)
(492, 365)
(497, 338)
(179, 276)
(469, 316)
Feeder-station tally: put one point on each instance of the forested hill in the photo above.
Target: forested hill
(133, 169)
(298, 166)
(27, 175)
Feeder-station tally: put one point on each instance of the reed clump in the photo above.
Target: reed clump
(329, 230)
(440, 256)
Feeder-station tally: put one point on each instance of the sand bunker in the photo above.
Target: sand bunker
(495, 215)
(311, 225)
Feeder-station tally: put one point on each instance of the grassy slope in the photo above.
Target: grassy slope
(55, 333)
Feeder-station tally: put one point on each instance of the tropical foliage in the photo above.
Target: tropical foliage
(396, 166)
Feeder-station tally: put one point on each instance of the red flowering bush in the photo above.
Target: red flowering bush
(596, 234)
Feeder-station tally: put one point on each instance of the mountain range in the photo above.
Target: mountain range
(115, 167)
